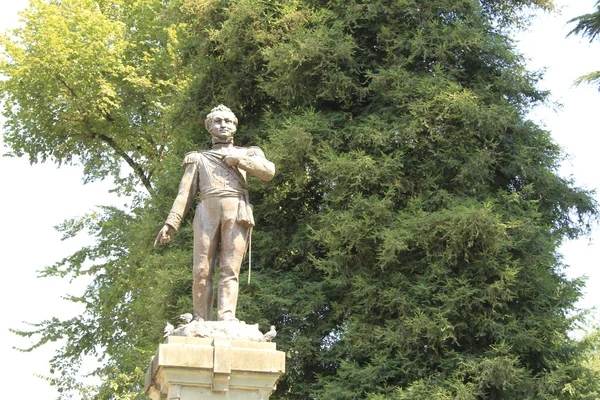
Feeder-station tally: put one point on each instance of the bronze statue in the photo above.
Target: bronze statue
(223, 221)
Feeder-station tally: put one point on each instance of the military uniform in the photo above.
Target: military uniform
(222, 222)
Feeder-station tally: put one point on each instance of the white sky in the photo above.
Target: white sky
(36, 198)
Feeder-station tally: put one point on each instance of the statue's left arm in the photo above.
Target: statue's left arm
(254, 162)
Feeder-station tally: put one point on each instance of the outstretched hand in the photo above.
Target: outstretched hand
(164, 236)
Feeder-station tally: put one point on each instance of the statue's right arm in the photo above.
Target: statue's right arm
(188, 189)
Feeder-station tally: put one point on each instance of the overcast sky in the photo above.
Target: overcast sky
(36, 198)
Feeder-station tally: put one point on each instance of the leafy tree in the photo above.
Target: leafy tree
(90, 83)
(588, 25)
(407, 247)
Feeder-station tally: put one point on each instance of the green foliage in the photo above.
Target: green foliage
(406, 248)
(90, 83)
(588, 25)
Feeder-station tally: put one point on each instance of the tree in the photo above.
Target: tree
(90, 83)
(407, 247)
(588, 25)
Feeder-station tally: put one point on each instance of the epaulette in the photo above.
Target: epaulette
(191, 157)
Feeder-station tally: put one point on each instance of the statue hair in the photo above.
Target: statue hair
(221, 108)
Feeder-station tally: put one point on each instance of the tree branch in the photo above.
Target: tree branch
(137, 168)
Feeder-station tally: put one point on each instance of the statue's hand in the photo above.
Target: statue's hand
(164, 236)
(232, 160)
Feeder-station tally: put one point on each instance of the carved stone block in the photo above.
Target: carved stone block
(187, 368)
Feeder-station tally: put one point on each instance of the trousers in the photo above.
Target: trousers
(217, 231)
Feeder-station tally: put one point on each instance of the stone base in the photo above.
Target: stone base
(189, 368)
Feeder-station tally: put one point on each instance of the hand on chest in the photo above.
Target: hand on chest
(215, 170)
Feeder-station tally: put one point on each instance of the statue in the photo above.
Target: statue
(223, 221)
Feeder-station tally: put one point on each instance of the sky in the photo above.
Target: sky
(574, 123)
(37, 197)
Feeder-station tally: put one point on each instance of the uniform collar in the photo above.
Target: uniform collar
(219, 144)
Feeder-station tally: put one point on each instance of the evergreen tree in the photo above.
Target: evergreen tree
(407, 247)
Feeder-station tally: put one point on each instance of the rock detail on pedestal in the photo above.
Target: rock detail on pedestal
(237, 330)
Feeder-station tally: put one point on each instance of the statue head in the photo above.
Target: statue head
(221, 122)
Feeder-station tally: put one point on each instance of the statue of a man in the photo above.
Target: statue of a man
(223, 220)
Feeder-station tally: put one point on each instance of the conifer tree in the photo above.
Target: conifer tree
(407, 247)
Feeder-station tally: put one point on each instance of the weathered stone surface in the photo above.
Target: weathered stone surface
(190, 368)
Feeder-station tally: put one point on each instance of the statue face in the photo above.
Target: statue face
(222, 126)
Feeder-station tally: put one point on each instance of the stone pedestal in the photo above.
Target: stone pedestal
(191, 368)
